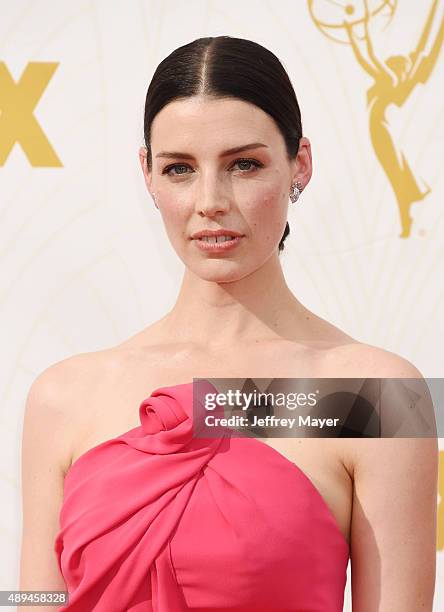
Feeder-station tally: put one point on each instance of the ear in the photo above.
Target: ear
(303, 163)
(146, 173)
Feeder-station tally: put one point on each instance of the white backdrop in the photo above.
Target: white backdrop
(81, 243)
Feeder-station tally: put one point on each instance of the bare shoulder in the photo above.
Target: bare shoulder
(357, 359)
(65, 396)
(56, 382)
(51, 405)
(360, 360)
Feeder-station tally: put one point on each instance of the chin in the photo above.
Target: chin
(220, 271)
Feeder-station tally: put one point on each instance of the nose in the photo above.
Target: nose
(211, 197)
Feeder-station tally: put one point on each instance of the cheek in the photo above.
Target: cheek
(270, 201)
(269, 212)
(174, 213)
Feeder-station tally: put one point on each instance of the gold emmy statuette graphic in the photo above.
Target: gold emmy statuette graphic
(394, 79)
(17, 121)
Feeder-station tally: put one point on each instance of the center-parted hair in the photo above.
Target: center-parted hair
(227, 67)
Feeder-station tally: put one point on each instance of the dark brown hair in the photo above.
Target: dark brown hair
(227, 67)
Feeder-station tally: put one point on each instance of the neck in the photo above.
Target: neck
(259, 306)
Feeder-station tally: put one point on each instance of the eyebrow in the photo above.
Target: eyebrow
(252, 145)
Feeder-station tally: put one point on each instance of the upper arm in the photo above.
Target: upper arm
(394, 520)
(393, 533)
(44, 456)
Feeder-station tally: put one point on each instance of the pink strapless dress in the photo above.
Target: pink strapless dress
(156, 520)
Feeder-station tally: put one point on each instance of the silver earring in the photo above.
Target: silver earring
(296, 190)
(154, 198)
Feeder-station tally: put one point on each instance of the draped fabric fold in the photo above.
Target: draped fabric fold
(158, 520)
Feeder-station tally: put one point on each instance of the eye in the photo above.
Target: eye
(253, 162)
(171, 166)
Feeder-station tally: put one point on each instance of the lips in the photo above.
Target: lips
(220, 233)
(216, 244)
(216, 239)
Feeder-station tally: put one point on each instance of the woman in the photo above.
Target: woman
(152, 519)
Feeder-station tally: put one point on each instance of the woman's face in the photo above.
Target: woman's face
(199, 185)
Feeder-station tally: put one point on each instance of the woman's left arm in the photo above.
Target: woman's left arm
(394, 524)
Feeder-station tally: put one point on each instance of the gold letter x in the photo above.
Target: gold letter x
(17, 122)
